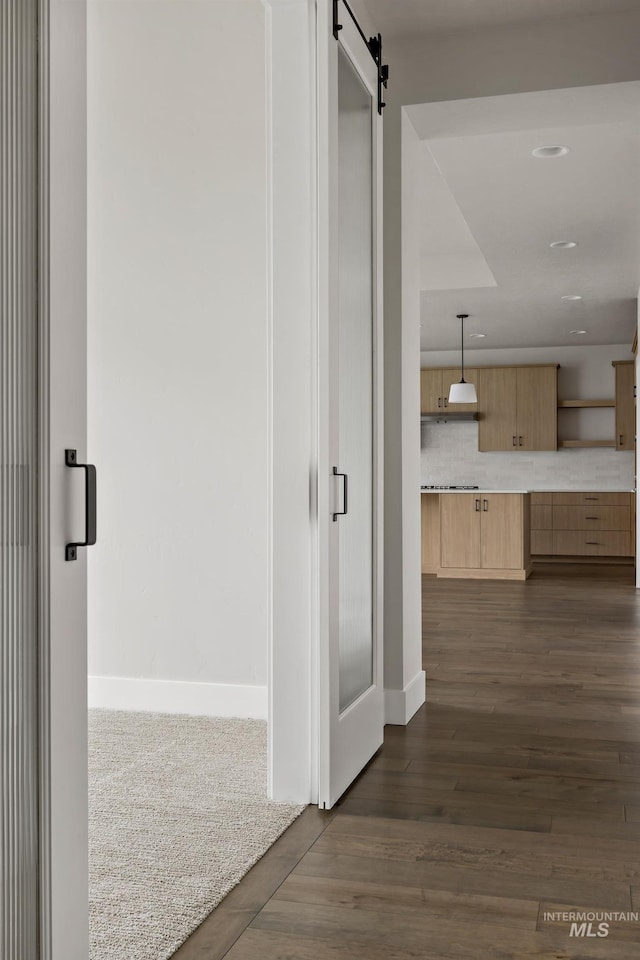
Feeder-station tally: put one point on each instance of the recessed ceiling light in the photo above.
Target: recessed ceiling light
(563, 244)
(578, 332)
(571, 296)
(548, 152)
(477, 336)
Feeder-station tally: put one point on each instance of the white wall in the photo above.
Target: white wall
(542, 56)
(178, 389)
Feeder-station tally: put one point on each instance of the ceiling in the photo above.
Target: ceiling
(406, 18)
(489, 210)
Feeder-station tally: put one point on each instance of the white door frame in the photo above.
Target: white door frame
(62, 408)
(292, 212)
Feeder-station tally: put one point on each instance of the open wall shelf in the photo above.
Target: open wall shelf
(584, 405)
(572, 404)
(586, 443)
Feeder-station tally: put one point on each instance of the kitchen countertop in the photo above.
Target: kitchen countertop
(598, 489)
(474, 491)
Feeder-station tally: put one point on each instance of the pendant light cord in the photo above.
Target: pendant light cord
(461, 318)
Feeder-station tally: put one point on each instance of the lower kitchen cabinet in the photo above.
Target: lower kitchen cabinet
(460, 520)
(485, 536)
(582, 524)
(430, 509)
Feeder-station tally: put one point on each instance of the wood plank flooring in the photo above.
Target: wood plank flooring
(514, 792)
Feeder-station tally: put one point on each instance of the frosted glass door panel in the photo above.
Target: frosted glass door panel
(355, 381)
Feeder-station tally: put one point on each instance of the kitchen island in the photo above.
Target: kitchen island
(478, 534)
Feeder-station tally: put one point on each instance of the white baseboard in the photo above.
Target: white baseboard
(178, 696)
(400, 705)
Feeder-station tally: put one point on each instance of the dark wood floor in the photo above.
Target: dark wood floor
(515, 791)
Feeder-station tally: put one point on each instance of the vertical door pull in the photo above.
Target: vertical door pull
(71, 549)
(485, 505)
(439, 402)
(342, 513)
(621, 441)
(477, 506)
(520, 439)
(515, 442)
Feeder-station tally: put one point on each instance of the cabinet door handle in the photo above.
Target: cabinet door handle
(439, 402)
(520, 439)
(621, 441)
(342, 513)
(591, 498)
(90, 506)
(592, 518)
(592, 543)
(477, 506)
(485, 505)
(515, 442)
(445, 401)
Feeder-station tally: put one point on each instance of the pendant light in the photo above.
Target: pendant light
(462, 392)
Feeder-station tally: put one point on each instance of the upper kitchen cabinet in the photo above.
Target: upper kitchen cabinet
(518, 408)
(434, 389)
(497, 389)
(431, 393)
(537, 408)
(625, 404)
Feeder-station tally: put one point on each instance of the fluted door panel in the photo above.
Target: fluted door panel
(18, 478)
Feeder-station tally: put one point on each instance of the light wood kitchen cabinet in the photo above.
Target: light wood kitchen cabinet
(460, 519)
(605, 543)
(541, 524)
(537, 408)
(518, 408)
(501, 518)
(625, 404)
(582, 524)
(591, 518)
(485, 536)
(609, 498)
(430, 512)
(497, 429)
(431, 394)
(434, 389)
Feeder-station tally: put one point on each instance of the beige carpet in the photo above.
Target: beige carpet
(177, 815)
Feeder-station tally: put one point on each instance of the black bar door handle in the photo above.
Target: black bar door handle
(342, 513)
(91, 505)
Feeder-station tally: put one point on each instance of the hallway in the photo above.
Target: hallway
(513, 793)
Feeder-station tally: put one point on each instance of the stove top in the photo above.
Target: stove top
(450, 486)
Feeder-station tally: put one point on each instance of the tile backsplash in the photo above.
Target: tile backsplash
(450, 455)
